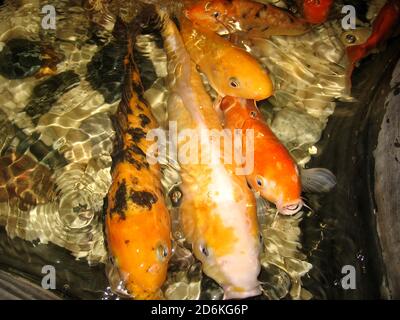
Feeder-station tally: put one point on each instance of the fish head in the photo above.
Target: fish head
(208, 14)
(284, 194)
(141, 251)
(229, 251)
(239, 74)
(276, 177)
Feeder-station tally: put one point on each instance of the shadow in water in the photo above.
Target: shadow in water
(342, 231)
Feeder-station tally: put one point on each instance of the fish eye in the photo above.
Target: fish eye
(253, 114)
(162, 252)
(350, 38)
(204, 250)
(234, 83)
(216, 14)
(259, 181)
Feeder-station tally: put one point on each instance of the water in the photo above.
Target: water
(56, 140)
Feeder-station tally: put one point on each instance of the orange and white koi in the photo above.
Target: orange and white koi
(218, 211)
(276, 176)
(255, 19)
(229, 69)
(137, 219)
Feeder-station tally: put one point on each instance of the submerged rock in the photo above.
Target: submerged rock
(47, 93)
(296, 128)
(20, 58)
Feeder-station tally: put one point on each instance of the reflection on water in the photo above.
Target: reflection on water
(58, 135)
(56, 140)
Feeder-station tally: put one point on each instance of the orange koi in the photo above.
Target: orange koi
(276, 176)
(253, 18)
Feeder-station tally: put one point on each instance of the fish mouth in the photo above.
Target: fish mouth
(291, 209)
(232, 292)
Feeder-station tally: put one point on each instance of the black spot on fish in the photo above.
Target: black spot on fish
(397, 144)
(396, 91)
(387, 120)
(139, 165)
(137, 150)
(105, 207)
(145, 120)
(20, 58)
(138, 88)
(144, 198)
(117, 157)
(127, 242)
(136, 134)
(120, 205)
(48, 92)
(397, 159)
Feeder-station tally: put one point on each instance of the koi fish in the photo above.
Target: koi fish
(276, 176)
(137, 219)
(229, 69)
(383, 27)
(255, 19)
(218, 210)
(316, 11)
